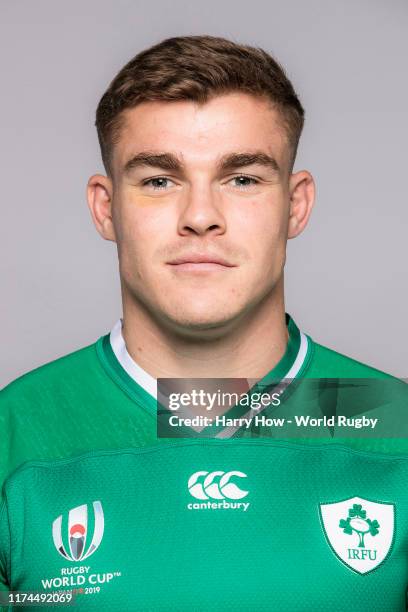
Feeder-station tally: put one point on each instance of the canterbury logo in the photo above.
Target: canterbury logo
(216, 485)
(78, 532)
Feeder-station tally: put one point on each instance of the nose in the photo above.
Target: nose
(201, 212)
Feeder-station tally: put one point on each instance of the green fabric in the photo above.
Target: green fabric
(164, 549)
(85, 401)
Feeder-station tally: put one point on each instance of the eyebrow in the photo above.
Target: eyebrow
(166, 161)
(240, 160)
(230, 161)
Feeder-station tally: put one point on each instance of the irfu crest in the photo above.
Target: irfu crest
(359, 531)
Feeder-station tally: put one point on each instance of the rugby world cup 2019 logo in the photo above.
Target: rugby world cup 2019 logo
(78, 545)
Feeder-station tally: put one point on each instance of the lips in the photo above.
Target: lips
(201, 259)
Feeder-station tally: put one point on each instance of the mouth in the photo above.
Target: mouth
(200, 263)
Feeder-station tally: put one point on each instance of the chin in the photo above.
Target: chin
(200, 319)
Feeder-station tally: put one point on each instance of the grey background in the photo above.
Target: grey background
(346, 276)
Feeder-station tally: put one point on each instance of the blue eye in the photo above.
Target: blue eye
(244, 181)
(160, 182)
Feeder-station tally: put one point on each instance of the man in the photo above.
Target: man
(198, 137)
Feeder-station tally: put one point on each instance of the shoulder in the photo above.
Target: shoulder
(328, 363)
(40, 411)
(57, 374)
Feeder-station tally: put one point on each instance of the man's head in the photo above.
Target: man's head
(196, 68)
(198, 137)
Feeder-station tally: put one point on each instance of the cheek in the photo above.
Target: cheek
(144, 235)
(140, 223)
(262, 228)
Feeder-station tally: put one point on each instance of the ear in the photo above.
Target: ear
(99, 195)
(302, 196)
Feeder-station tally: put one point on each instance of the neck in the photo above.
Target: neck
(249, 349)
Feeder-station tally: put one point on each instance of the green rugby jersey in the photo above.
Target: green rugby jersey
(98, 399)
(212, 525)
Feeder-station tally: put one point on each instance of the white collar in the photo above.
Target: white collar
(143, 378)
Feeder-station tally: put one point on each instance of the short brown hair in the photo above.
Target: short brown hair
(196, 68)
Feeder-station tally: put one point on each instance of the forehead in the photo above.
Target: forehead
(201, 133)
